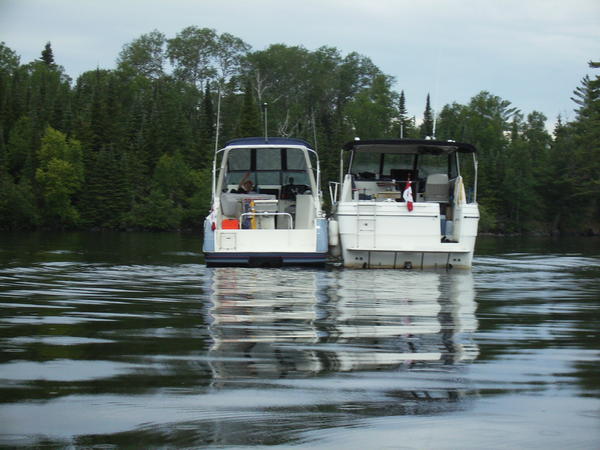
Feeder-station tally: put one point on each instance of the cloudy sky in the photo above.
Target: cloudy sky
(530, 52)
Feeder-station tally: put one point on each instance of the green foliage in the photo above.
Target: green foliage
(60, 176)
(250, 117)
(17, 204)
(47, 55)
(406, 124)
(372, 111)
(9, 60)
(132, 147)
(106, 197)
(198, 205)
(144, 56)
(427, 125)
(20, 148)
(191, 52)
(156, 212)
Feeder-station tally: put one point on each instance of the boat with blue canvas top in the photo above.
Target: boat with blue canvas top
(266, 205)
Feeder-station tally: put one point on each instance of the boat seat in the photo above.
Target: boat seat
(436, 188)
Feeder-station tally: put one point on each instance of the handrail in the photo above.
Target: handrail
(333, 191)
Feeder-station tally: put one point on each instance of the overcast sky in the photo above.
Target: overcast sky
(530, 52)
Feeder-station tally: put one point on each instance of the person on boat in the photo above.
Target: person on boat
(246, 186)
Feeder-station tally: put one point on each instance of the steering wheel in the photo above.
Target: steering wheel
(289, 191)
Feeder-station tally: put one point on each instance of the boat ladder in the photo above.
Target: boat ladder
(366, 220)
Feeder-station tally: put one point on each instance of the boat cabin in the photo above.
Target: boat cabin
(283, 184)
(407, 200)
(266, 206)
(381, 169)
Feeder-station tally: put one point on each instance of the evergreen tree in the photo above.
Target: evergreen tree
(249, 118)
(17, 204)
(20, 149)
(402, 114)
(47, 55)
(586, 152)
(427, 125)
(147, 135)
(106, 198)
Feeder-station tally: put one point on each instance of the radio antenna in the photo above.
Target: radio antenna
(265, 111)
(218, 119)
(314, 126)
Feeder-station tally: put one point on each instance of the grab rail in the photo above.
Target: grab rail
(333, 191)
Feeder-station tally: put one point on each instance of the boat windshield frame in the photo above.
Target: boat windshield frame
(313, 171)
(414, 147)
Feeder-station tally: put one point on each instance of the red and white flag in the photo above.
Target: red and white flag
(213, 219)
(407, 196)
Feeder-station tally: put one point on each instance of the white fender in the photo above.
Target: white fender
(334, 237)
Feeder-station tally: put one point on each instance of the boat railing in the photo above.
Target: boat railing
(251, 214)
(333, 191)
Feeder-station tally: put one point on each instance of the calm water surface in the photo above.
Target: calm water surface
(112, 339)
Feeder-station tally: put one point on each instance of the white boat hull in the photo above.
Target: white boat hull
(387, 235)
(266, 247)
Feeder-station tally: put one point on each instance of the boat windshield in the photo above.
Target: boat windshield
(430, 164)
(388, 165)
(370, 164)
(267, 166)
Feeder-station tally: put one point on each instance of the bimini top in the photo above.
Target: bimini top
(275, 141)
(410, 146)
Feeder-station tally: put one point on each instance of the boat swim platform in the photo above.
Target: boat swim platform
(369, 258)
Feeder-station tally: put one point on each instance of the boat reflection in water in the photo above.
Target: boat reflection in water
(269, 324)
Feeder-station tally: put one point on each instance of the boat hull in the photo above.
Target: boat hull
(266, 248)
(386, 235)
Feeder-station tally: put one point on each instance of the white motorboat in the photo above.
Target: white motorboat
(403, 204)
(279, 220)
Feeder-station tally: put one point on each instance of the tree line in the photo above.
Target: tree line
(131, 148)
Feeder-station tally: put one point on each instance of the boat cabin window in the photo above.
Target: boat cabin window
(267, 167)
(369, 165)
(295, 159)
(268, 159)
(430, 164)
(453, 170)
(396, 163)
(240, 160)
(365, 164)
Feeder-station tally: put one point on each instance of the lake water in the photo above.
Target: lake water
(125, 339)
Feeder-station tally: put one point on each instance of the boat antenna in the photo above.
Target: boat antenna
(314, 126)
(218, 119)
(436, 90)
(214, 163)
(265, 105)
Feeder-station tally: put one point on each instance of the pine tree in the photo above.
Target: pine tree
(586, 152)
(47, 55)
(427, 125)
(403, 119)
(106, 197)
(250, 117)
(206, 127)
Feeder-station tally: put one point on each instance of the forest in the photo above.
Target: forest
(131, 147)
